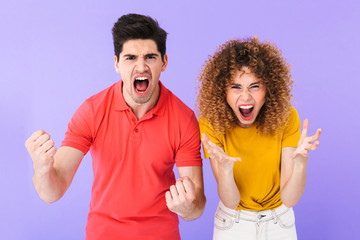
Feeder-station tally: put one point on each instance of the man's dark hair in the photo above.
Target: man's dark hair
(135, 26)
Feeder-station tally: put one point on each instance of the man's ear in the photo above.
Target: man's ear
(165, 62)
(117, 69)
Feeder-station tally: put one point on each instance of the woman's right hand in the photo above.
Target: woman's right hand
(217, 153)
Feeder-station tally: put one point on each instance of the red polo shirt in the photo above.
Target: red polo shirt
(133, 162)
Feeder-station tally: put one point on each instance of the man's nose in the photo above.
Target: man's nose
(141, 65)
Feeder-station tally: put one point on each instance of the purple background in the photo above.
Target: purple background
(55, 54)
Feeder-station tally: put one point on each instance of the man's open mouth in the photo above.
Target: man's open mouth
(141, 84)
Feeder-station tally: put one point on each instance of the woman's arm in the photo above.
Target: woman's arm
(222, 167)
(293, 166)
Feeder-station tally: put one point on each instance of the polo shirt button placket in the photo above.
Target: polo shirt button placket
(135, 133)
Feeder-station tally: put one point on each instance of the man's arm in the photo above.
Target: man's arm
(52, 174)
(186, 198)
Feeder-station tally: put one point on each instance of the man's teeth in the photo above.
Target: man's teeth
(246, 107)
(141, 78)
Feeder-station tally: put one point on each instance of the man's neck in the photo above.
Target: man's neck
(140, 110)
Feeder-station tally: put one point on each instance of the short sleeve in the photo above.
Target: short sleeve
(188, 153)
(291, 134)
(207, 128)
(78, 134)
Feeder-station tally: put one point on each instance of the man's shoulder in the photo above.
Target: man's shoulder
(175, 103)
(102, 95)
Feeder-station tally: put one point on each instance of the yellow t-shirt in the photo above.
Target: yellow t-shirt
(257, 176)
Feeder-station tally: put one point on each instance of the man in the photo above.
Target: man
(135, 130)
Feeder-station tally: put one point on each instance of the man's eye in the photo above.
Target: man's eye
(129, 58)
(150, 57)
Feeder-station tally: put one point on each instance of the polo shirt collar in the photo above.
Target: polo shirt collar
(159, 108)
(120, 104)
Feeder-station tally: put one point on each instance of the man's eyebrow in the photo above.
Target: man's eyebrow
(129, 55)
(146, 55)
(152, 55)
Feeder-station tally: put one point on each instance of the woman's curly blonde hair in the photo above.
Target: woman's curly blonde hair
(266, 62)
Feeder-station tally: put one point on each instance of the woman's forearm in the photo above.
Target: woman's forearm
(227, 189)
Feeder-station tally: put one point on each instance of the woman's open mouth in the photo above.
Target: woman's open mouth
(246, 112)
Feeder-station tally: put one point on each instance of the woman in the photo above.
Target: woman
(251, 133)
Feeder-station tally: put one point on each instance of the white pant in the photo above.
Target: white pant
(273, 224)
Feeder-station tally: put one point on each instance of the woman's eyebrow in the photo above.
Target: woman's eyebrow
(258, 82)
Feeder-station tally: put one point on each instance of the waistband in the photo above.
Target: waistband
(254, 216)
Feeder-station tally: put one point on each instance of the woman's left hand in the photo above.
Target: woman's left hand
(306, 143)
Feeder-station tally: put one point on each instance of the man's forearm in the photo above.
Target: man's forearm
(49, 186)
(198, 206)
